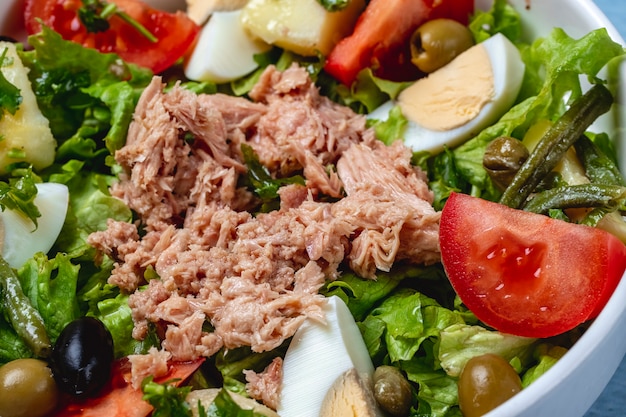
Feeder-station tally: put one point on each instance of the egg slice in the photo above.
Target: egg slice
(224, 51)
(460, 99)
(319, 354)
(21, 240)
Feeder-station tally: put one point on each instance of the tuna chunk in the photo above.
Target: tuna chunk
(225, 276)
(390, 206)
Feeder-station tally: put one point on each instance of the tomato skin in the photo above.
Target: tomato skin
(175, 31)
(380, 39)
(119, 398)
(524, 273)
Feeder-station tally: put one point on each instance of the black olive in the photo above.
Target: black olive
(82, 356)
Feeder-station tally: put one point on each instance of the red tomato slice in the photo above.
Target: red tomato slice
(119, 398)
(524, 273)
(381, 35)
(175, 32)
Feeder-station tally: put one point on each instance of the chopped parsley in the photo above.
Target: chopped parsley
(10, 95)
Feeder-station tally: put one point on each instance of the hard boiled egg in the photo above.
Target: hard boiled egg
(224, 51)
(460, 99)
(318, 356)
(20, 239)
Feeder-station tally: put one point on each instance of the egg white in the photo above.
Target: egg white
(319, 354)
(224, 51)
(508, 73)
(21, 239)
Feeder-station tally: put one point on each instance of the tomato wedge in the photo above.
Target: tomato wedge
(175, 32)
(524, 273)
(380, 39)
(119, 398)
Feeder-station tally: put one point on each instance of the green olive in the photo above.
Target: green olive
(392, 391)
(27, 389)
(437, 42)
(503, 157)
(486, 382)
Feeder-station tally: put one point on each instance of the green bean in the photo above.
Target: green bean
(594, 216)
(608, 197)
(599, 168)
(550, 149)
(24, 318)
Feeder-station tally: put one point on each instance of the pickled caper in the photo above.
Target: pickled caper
(392, 391)
(437, 42)
(486, 382)
(27, 389)
(503, 158)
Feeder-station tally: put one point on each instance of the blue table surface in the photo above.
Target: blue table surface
(612, 401)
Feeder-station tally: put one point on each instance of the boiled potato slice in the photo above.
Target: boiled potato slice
(27, 132)
(301, 26)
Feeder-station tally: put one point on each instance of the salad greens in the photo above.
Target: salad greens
(11, 97)
(410, 317)
(563, 60)
(167, 399)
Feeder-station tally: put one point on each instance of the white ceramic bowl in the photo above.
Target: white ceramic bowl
(573, 384)
(576, 381)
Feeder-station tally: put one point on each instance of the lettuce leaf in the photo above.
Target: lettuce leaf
(11, 345)
(547, 355)
(409, 318)
(431, 343)
(10, 95)
(501, 18)
(554, 66)
(404, 331)
(167, 399)
(225, 406)
(50, 284)
(459, 343)
(87, 96)
(231, 363)
(91, 205)
(19, 192)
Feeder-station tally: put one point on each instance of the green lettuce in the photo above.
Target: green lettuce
(167, 399)
(18, 193)
(546, 356)
(50, 284)
(230, 363)
(554, 66)
(87, 96)
(225, 406)
(403, 330)
(11, 345)
(501, 18)
(116, 315)
(10, 95)
(367, 93)
(391, 129)
(460, 342)
(91, 205)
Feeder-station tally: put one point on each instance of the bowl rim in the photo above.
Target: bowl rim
(593, 340)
